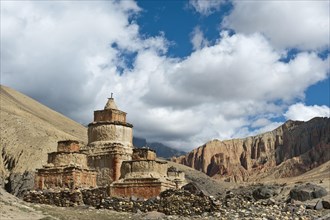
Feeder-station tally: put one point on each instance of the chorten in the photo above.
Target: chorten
(110, 141)
(145, 177)
(66, 168)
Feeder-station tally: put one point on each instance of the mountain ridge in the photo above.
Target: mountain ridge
(296, 146)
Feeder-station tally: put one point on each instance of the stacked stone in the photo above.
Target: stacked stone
(121, 205)
(170, 202)
(131, 205)
(252, 202)
(64, 198)
(94, 196)
(184, 203)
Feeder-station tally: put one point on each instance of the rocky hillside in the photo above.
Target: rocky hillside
(29, 130)
(290, 150)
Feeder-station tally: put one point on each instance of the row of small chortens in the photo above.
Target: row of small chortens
(109, 159)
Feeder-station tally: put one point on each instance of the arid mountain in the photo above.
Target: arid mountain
(290, 150)
(30, 130)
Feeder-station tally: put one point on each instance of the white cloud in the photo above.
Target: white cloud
(265, 128)
(260, 122)
(238, 68)
(197, 39)
(206, 7)
(288, 24)
(64, 48)
(301, 112)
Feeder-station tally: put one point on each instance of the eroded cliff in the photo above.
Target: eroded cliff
(290, 150)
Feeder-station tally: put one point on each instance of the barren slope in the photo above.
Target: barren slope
(29, 130)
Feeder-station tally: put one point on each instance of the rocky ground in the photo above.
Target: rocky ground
(272, 199)
(257, 201)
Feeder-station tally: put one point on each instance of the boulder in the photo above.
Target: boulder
(265, 192)
(307, 192)
(326, 204)
(20, 183)
(318, 205)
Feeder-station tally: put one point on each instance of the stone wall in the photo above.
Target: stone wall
(110, 132)
(143, 189)
(65, 159)
(170, 202)
(66, 198)
(107, 163)
(103, 165)
(143, 154)
(68, 146)
(143, 168)
(110, 115)
(94, 196)
(142, 179)
(69, 177)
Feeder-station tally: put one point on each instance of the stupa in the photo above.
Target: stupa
(110, 141)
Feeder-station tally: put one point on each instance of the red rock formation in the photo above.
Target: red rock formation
(291, 149)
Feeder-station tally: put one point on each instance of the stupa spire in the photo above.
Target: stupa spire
(111, 103)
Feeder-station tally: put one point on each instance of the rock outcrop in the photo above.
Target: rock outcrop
(307, 192)
(290, 150)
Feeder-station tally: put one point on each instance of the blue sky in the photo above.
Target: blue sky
(177, 20)
(186, 72)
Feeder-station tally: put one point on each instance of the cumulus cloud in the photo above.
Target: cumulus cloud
(265, 128)
(197, 39)
(288, 24)
(260, 122)
(238, 68)
(206, 7)
(301, 112)
(64, 48)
